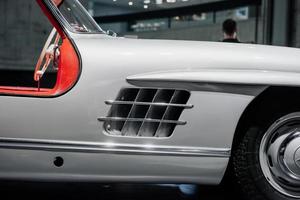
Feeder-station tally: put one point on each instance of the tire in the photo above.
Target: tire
(257, 178)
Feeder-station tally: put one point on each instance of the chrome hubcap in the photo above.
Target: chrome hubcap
(297, 158)
(280, 155)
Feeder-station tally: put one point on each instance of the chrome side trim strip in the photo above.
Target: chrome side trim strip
(112, 102)
(90, 147)
(141, 120)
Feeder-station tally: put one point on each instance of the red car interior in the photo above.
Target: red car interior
(68, 68)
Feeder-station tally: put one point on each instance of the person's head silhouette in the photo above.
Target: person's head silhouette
(230, 31)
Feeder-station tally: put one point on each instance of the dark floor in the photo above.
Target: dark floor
(83, 191)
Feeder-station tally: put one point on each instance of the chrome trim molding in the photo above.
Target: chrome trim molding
(101, 119)
(90, 147)
(112, 102)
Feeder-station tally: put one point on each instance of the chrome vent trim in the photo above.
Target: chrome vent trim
(142, 120)
(146, 112)
(113, 102)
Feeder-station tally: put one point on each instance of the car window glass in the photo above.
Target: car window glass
(77, 17)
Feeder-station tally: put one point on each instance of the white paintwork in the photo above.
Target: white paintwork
(224, 60)
(106, 64)
(226, 76)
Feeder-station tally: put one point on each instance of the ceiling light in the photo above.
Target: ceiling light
(147, 1)
(159, 2)
(130, 3)
(146, 6)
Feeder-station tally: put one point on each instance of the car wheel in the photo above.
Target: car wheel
(266, 164)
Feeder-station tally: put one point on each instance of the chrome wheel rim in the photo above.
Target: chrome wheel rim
(279, 155)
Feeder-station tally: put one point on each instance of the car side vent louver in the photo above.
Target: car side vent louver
(146, 112)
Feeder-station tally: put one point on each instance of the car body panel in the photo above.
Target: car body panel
(223, 80)
(95, 167)
(224, 76)
(73, 118)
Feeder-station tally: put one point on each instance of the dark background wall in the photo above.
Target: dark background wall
(295, 24)
(23, 32)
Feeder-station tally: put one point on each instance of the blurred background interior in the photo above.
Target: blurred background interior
(259, 21)
(24, 29)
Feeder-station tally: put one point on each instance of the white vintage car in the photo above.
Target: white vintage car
(130, 110)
